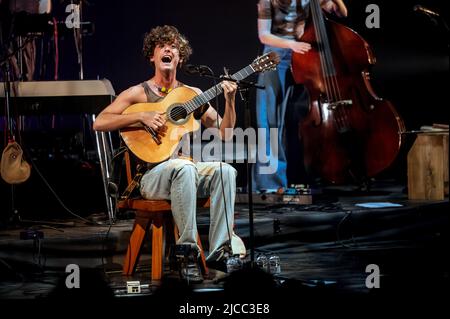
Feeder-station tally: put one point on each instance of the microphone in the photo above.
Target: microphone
(419, 8)
(196, 69)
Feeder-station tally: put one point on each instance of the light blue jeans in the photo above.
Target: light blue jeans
(182, 181)
(271, 105)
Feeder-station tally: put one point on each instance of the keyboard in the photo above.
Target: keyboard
(58, 97)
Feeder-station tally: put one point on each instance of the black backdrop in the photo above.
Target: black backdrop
(411, 70)
(412, 52)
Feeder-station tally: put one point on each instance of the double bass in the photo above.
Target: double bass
(349, 133)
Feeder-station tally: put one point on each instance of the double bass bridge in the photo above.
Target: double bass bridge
(335, 105)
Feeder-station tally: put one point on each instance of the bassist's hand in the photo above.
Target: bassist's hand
(154, 120)
(300, 47)
(335, 6)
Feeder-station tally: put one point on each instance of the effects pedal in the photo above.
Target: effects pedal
(31, 234)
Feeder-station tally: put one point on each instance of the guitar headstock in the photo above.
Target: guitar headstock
(267, 62)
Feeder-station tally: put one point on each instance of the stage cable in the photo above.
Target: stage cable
(346, 216)
(105, 238)
(119, 152)
(56, 195)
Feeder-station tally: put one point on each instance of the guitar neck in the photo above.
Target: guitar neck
(216, 90)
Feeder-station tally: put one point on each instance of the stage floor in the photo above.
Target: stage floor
(323, 247)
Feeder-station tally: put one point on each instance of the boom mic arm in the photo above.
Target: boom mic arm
(419, 8)
(196, 69)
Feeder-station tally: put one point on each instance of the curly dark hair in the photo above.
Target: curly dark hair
(166, 35)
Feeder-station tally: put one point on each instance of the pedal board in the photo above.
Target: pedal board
(297, 194)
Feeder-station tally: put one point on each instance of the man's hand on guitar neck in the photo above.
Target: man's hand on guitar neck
(153, 120)
(229, 90)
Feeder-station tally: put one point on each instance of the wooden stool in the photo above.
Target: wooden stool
(158, 214)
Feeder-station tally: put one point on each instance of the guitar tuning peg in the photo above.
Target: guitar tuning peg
(226, 71)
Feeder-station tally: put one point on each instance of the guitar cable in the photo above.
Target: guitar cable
(216, 87)
(52, 190)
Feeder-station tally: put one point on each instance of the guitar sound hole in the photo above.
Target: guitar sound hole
(178, 113)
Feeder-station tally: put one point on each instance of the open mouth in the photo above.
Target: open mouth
(166, 59)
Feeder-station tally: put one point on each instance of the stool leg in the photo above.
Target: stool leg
(134, 245)
(204, 268)
(157, 248)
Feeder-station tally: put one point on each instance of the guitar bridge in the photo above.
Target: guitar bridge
(153, 134)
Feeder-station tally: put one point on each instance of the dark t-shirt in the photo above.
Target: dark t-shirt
(285, 15)
(153, 97)
(30, 6)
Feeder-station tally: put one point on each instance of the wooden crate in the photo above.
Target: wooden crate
(428, 167)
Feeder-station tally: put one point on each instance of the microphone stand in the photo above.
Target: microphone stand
(244, 92)
(434, 17)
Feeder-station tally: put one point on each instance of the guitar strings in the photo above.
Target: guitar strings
(320, 47)
(186, 107)
(191, 105)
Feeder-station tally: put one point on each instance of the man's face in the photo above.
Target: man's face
(166, 56)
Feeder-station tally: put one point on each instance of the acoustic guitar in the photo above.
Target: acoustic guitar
(178, 106)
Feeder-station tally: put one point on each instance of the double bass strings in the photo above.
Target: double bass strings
(314, 13)
(326, 60)
(329, 71)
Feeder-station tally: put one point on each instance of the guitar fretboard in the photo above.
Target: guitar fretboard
(211, 93)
